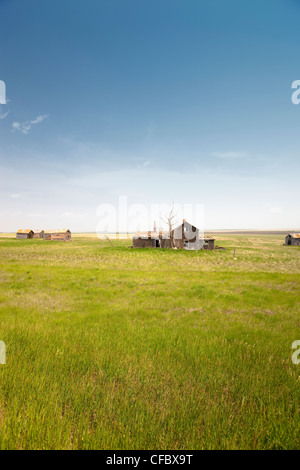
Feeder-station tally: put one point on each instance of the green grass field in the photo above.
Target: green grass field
(115, 348)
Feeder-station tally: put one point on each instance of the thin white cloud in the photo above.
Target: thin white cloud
(25, 126)
(39, 119)
(142, 162)
(228, 154)
(14, 195)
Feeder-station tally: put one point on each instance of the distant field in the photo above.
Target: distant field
(216, 233)
(116, 348)
(121, 236)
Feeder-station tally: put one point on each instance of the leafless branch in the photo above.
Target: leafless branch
(169, 221)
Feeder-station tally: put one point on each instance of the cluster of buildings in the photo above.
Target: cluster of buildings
(184, 237)
(60, 234)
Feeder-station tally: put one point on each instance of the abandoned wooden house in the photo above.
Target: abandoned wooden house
(293, 239)
(61, 234)
(38, 233)
(185, 237)
(28, 233)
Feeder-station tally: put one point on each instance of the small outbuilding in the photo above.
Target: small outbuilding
(209, 243)
(60, 234)
(27, 233)
(150, 239)
(38, 233)
(292, 239)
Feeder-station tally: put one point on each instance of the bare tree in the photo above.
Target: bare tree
(170, 222)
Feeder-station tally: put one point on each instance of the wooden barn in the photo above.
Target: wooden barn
(28, 233)
(293, 239)
(184, 237)
(61, 234)
(38, 233)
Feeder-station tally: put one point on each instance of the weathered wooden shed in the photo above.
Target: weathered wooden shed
(150, 239)
(27, 233)
(60, 234)
(37, 233)
(293, 239)
(209, 243)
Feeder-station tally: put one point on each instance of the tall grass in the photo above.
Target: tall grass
(115, 348)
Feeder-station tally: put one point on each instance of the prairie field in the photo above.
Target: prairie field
(109, 347)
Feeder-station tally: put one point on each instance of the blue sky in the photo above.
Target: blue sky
(160, 101)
